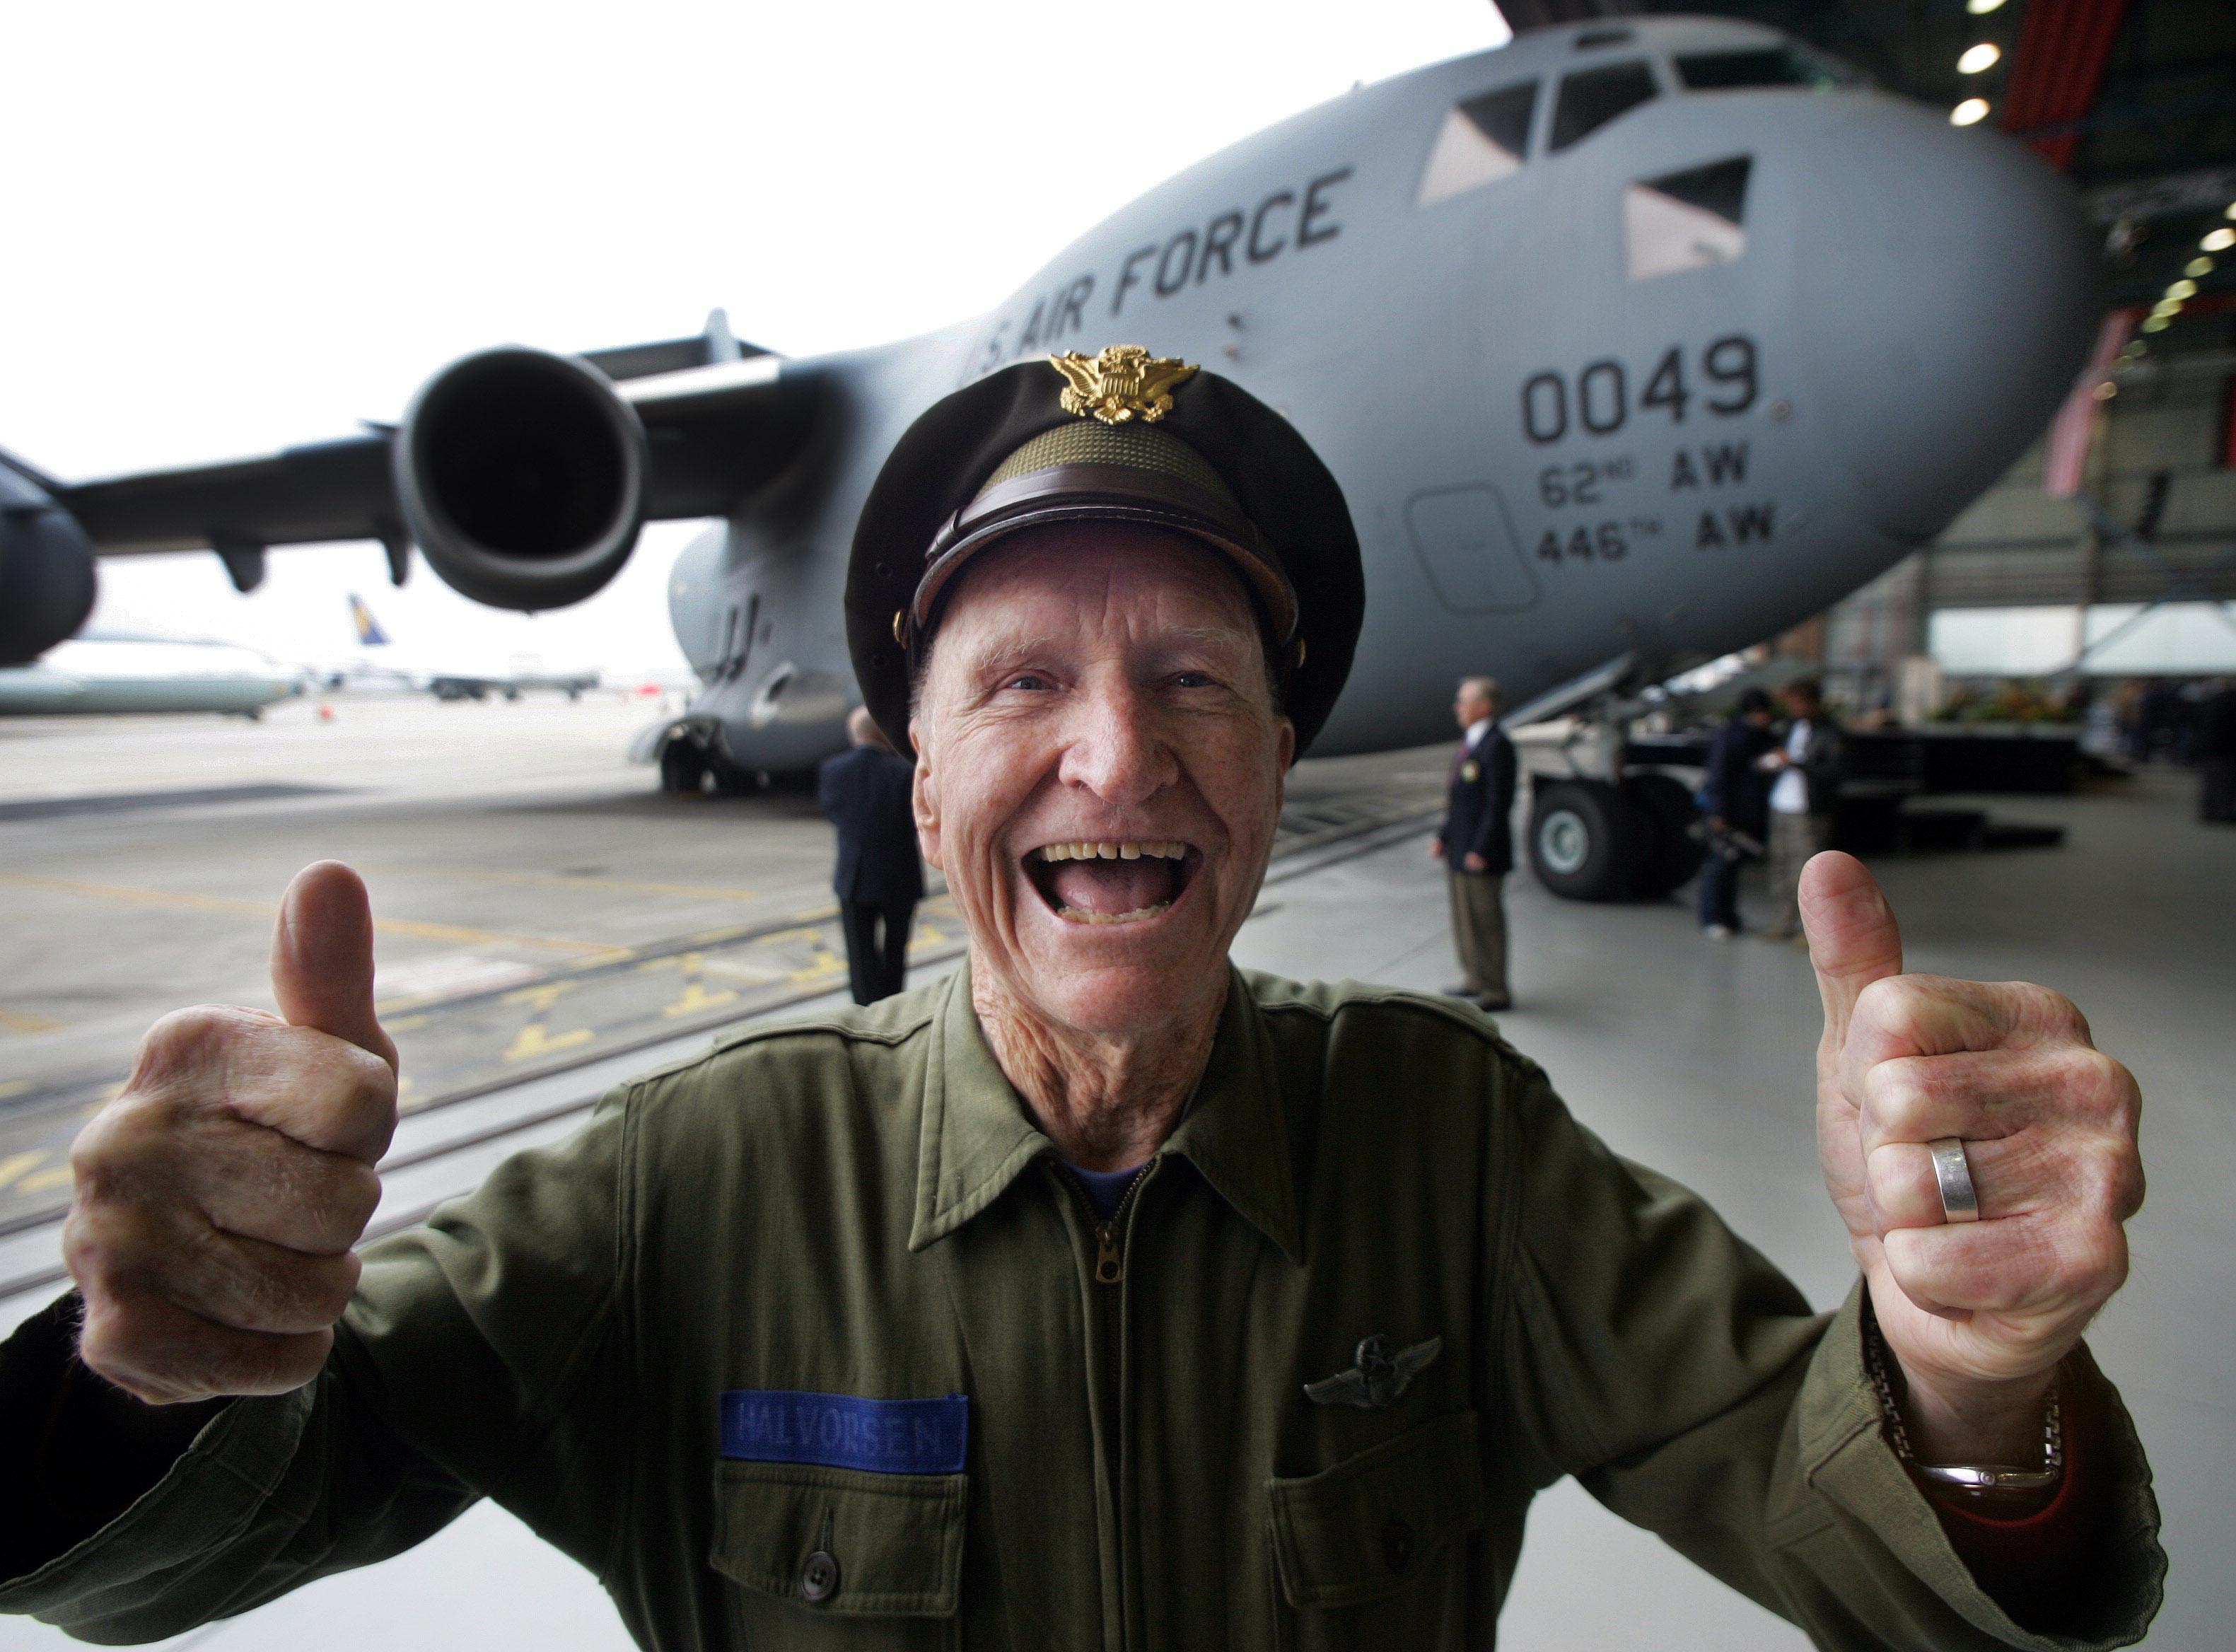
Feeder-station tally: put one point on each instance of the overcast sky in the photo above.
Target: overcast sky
(235, 225)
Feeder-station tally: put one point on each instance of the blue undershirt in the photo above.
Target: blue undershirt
(1106, 1190)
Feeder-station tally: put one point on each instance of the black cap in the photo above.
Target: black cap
(1122, 437)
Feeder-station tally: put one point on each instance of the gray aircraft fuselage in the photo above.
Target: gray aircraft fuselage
(1575, 415)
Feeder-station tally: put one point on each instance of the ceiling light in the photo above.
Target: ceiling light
(2218, 241)
(2166, 306)
(2182, 289)
(2156, 324)
(1971, 109)
(1981, 8)
(2199, 266)
(2105, 391)
(1975, 58)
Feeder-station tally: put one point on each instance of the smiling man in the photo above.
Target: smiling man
(1101, 1295)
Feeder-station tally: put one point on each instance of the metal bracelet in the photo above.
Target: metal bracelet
(1975, 1479)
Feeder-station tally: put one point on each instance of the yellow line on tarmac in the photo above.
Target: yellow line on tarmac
(15, 1163)
(187, 902)
(571, 880)
(24, 1021)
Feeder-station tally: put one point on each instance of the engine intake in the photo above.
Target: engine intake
(522, 477)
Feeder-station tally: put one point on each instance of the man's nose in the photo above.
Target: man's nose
(1115, 746)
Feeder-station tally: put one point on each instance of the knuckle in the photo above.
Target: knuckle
(1896, 1096)
(2051, 1012)
(1892, 1003)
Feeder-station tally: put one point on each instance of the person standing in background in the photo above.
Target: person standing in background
(1476, 844)
(1732, 800)
(864, 791)
(2215, 750)
(1802, 799)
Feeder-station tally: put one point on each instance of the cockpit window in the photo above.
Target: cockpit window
(1724, 71)
(1592, 97)
(1482, 139)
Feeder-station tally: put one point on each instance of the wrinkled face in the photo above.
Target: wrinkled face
(1100, 770)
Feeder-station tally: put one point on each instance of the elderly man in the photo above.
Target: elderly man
(1475, 843)
(1100, 1295)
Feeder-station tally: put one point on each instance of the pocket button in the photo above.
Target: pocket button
(819, 1577)
(1398, 1544)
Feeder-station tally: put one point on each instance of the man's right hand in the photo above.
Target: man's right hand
(217, 1198)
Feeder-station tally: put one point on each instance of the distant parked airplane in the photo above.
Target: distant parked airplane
(396, 667)
(122, 671)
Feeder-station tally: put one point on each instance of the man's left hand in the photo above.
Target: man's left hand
(1475, 863)
(1979, 1313)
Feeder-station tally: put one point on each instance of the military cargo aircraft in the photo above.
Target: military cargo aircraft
(1631, 344)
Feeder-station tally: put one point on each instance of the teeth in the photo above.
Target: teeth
(1153, 849)
(1073, 915)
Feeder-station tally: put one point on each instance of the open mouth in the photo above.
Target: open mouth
(1101, 881)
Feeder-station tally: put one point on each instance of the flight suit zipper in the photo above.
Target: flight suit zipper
(1109, 1312)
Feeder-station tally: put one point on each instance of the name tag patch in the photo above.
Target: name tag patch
(840, 1431)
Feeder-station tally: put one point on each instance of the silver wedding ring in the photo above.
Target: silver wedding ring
(1960, 1200)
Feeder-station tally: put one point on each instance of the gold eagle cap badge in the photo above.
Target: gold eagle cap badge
(1125, 382)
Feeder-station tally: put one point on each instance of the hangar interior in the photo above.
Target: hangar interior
(547, 917)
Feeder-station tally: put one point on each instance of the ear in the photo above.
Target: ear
(924, 797)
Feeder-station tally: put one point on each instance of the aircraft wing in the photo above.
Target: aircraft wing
(326, 491)
(523, 476)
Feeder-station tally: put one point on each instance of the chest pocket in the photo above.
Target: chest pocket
(839, 1557)
(1367, 1552)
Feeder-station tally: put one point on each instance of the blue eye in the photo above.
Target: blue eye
(1027, 680)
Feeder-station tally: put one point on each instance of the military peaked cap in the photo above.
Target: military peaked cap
(1120, 437)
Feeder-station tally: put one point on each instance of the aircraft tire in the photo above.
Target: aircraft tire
(682, 768)
(1673, 855)
(1587, 840)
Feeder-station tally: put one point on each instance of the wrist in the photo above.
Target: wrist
(1963, 1420)
(1995, 1444)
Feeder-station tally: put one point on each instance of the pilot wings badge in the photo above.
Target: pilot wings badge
(1125, 382)
(1378, 1378)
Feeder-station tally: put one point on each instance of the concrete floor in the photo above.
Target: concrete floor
(1689, 1055)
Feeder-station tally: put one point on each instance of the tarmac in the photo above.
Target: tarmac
(549, 924)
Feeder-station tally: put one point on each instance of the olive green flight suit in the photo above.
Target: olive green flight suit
(860, 1206)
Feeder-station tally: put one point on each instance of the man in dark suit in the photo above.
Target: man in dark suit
(1476, 845)
(866, 791)
(1733, 797)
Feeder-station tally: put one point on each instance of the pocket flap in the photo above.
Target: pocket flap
(1367, 1526)
(885, 1545)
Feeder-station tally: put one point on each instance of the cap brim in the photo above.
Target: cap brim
(1105, 493)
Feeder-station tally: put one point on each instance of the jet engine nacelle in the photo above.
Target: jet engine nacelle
(46, 571)
(523, 476)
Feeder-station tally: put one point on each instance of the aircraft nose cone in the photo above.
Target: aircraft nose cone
(1951, 298)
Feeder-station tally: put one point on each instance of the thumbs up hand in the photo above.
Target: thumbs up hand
(1978, 1313)
(218, 1197)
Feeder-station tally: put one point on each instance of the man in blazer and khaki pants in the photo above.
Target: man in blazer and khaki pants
(1475, 843)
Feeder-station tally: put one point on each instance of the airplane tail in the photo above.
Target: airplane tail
(368, 633)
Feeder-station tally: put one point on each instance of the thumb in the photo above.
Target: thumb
(322, 958)
(1853, 939)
